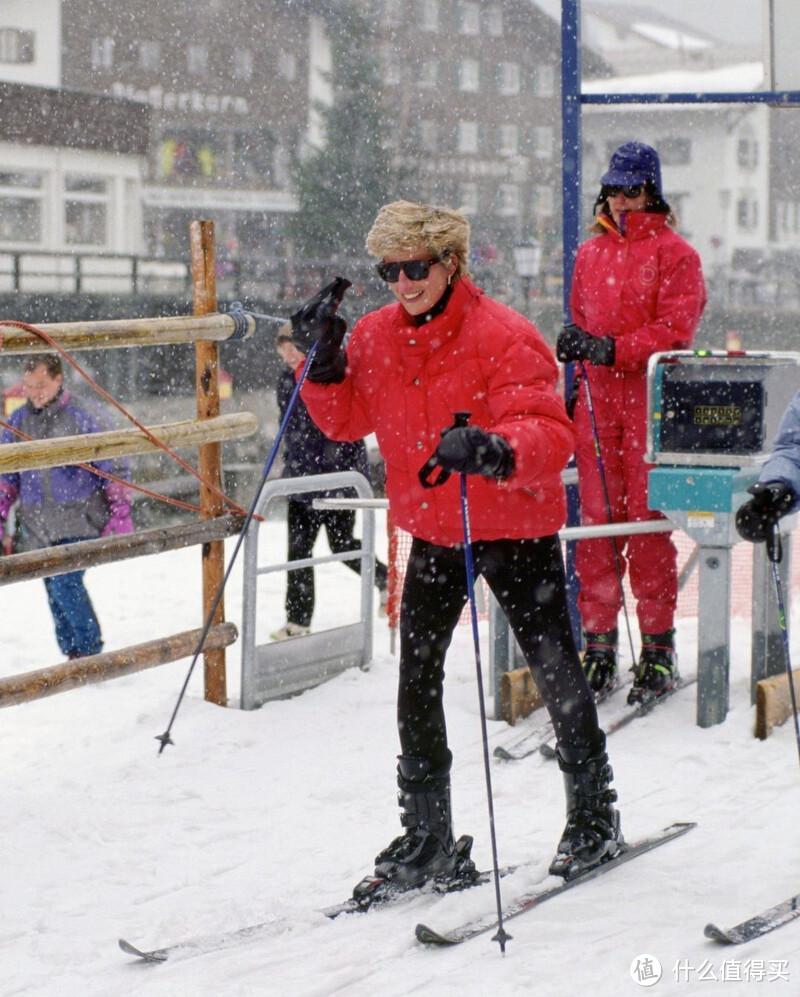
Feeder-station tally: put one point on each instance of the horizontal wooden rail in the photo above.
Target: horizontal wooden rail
(124, 332)
(88, 553)
(26, 455)
(113, 664)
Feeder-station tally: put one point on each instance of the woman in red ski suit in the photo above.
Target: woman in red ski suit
(637, 289)
(444, 347)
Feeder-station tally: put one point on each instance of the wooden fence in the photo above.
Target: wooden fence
(205, 329)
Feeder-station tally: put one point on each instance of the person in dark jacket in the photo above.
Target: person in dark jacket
(443, 347)
(308, 451)
(777, 491)
(60, 505)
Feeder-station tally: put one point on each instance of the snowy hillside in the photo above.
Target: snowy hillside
(268, 816)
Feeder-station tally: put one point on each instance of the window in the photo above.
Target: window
(544, 203)
(508, 78)
(197, 60)
(287, 65)
(747, 153)
(469, 20)
(86, 205)
(468, 136)
(149, 55)
(469, 75)
(253, 157)
(508, 199)
(390, 64)
(494, 21)
(468, 198)
(191, 152)
(428, 14)
(675, 151)
(544, 82)
(428, 73)
(543, 142)
(509, 140)
(102, 53)
(747, 212)
(16, 45)
(789, 217)
(392, 13)
(428, 135)
(242, 63)
(21, 206)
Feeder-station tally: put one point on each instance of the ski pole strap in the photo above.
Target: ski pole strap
(432, 463)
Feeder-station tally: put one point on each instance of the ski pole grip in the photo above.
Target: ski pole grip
(432, 463)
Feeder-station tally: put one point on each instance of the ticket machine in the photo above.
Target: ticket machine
(712, 420)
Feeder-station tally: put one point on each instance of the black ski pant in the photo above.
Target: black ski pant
(527, 579)
(304, 524)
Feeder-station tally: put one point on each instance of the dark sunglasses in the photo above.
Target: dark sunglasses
(633, 191)
(413, 269)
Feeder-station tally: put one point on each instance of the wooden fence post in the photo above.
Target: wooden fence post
(204, 297)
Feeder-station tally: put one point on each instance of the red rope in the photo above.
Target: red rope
(234, 506)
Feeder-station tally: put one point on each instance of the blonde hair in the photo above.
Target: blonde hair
(406, 225)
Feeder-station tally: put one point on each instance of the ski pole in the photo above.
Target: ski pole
(323, 304)
(165, 738)
(774, 554)
(609, 515)
(462, 419)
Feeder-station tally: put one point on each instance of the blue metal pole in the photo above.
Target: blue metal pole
(571, 224)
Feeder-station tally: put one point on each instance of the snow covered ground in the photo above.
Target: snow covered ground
(269, 815)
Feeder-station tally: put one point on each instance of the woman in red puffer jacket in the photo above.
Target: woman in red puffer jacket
(637, 289)
(445, 347)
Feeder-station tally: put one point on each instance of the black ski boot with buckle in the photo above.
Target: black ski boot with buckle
(600, 662)
(427, 850)
(656, 672)
(592, 834)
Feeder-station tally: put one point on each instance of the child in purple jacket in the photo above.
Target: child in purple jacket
(61, 505)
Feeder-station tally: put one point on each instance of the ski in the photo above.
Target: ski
(755, 927)
(538, 896)
(200, 945)
(370, 892)
(547, 748)
(533, 741)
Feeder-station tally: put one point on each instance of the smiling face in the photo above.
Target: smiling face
(419, 296)
(40, 387)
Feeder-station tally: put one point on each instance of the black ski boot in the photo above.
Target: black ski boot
(427, 850)
(592, 834)
(600, 662)
(656, 672)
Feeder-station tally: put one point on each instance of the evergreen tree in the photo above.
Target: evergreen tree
(341, 185)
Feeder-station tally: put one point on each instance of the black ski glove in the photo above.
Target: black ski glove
(472, 450)
(756, 518)
(317, 321)
(574, 343)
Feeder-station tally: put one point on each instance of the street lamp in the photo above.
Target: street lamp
(527, 262)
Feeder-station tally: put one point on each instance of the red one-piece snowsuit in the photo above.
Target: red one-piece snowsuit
(645, 288)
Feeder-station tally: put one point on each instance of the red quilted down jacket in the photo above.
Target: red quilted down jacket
(406, 382)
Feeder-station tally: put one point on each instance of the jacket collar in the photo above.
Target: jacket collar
(441, 328)
(638, 225)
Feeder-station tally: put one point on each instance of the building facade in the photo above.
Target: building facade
(227, 88)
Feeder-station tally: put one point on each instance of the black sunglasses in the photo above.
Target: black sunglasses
(633, 191)
(413, 269)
